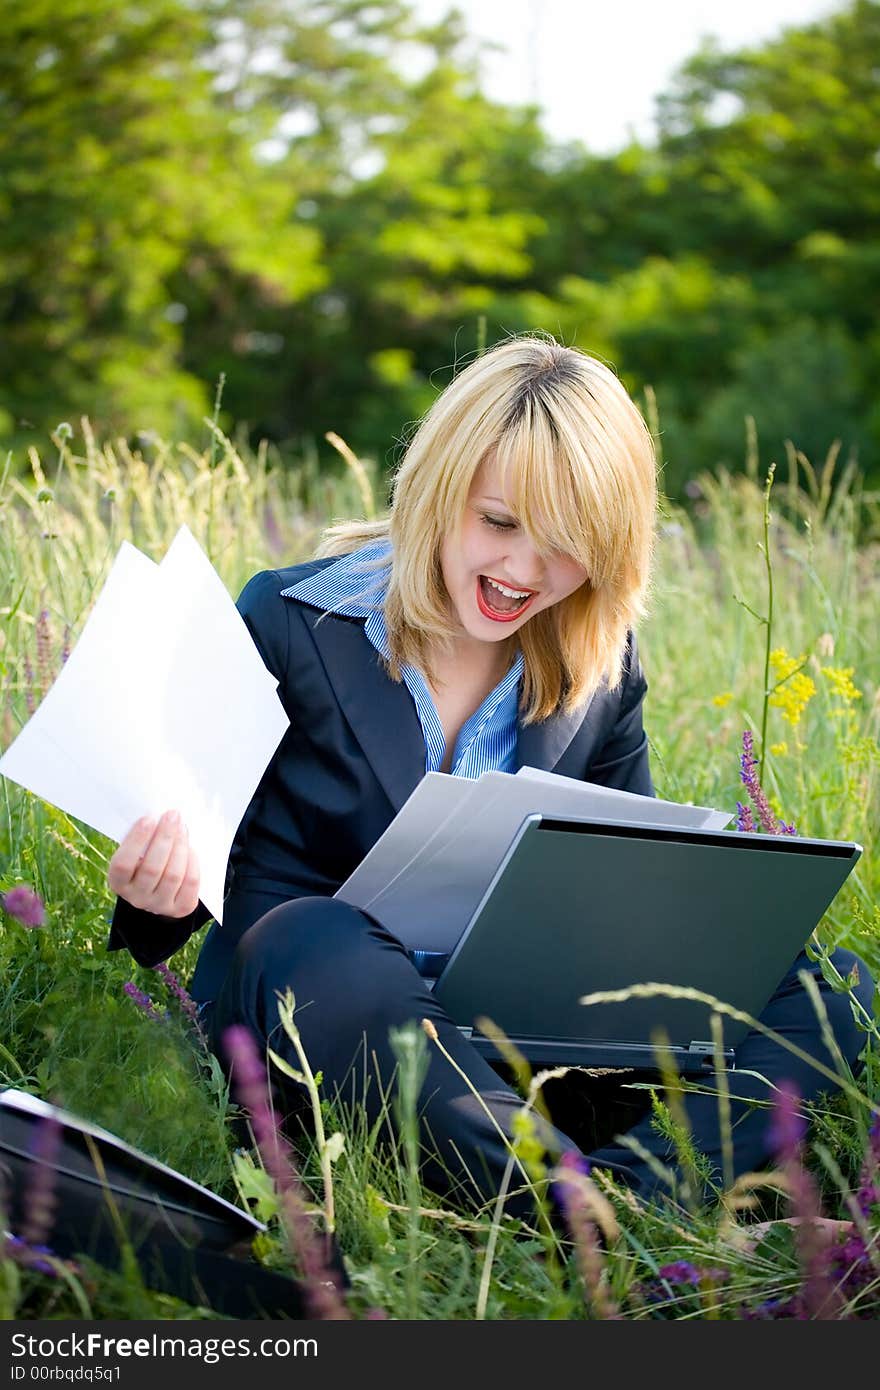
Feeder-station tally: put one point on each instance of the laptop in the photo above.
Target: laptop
(109, 1200)
(585, 906)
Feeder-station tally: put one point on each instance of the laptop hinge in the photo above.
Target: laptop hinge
(707, 1050)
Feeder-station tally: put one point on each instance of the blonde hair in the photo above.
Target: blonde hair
(579, 474)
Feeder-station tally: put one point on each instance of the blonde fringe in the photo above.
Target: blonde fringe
(580, 474)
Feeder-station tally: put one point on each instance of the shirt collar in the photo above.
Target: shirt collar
(354, 586)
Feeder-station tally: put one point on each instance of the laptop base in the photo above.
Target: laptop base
(697, 1059)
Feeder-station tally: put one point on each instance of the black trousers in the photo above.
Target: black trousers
(354, 981)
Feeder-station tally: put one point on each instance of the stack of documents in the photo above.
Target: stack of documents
(164, 704)
(426, 876)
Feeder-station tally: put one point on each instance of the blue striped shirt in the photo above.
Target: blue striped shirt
(354, 586)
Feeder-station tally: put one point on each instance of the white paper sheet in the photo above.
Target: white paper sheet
(630, 806)
(461, 834)
(436, 800)
(164, 703)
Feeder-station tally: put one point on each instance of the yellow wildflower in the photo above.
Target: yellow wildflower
(841, 682)
(783, 664)
(779, 750)
(723, 699)
(794, 690)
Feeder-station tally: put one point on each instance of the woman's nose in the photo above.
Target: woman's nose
(525, 564)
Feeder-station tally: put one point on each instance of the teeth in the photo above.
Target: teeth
(508, 593)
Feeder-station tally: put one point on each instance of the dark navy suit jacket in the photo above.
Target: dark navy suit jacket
(352, 755)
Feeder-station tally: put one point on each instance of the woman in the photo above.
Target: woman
(488, 624)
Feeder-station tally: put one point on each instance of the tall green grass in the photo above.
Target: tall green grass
(69, 1032)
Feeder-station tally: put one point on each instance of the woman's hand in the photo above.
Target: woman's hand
(154, 868)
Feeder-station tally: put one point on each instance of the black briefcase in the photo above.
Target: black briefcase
(187, 1241)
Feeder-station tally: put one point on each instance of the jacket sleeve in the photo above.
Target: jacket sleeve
(622, 760)
(149, 936)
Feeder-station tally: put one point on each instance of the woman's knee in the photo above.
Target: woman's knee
(295, 931)
(796, 1011)
(337, 961)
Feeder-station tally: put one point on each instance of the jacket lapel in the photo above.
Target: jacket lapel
(379, 710)
(543, 745)
(383, 717)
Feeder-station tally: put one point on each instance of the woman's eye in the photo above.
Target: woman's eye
(498, 524)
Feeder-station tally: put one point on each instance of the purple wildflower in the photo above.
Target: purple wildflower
(25, 905)
(680, 1272)
(848, 1272)
(321, 1285)
(65, 644)
(868, 1195)
(44, 1266)
(651, 1291)
(141, 1000)
(820, 1297)
(744, 818)
(572, 1161)
(570, 1189)
(749, 775)
(774, 1309)
(685, 1276)
(187, 1003)
(787, 1128)
(40, 1202)
(684, 1272)
(32, 1256)
(851, 1266)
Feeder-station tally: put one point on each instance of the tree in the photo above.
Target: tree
(419, 188)
(119, 168)
(735, 266)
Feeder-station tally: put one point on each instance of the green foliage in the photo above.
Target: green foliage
(317, 199)
(122, 168)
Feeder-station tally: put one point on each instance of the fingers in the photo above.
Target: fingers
(154, 868)
(122, 866)
(150, 872)
(177, 850)
(187, 897)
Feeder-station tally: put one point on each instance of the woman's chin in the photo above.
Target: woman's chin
(483, 629)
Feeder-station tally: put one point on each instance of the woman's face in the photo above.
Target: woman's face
(493, 574)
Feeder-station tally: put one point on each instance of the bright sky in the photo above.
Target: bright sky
(595, 66)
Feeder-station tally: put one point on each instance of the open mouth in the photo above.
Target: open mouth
(499, 601)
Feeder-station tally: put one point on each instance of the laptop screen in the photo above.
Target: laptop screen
(579, 908)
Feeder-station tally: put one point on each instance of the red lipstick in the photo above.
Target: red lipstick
(494, 614)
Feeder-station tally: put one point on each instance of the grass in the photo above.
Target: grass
(715, 668)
